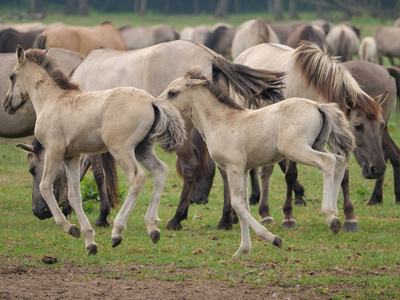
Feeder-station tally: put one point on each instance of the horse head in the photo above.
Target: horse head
(40, 209)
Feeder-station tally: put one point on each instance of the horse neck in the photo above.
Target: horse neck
(40, 86)
(207, 111)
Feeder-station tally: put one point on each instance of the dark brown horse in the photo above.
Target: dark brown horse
(10, 38)
(105, 175)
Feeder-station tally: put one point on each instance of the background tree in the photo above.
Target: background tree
(222, 9)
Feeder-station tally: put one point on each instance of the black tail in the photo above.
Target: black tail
(255, 86)
(40, 42)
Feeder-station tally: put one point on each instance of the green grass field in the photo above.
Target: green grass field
(367, 263)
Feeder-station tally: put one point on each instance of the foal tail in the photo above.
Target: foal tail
(168, 128)
(341, 139)
(256, 86)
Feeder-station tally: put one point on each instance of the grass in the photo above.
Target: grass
(367, 263)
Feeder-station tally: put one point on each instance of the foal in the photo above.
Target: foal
(124, 121)
(239, 139)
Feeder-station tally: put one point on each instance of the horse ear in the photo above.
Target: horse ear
(47, 50)
(20, 54)
(349, 103)
(194, 82)
(382, 98)
(27, 148)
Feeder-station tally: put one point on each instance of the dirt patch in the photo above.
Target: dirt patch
(75, 282)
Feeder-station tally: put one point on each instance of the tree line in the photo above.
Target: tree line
(220, 8)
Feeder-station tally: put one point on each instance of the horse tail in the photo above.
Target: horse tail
(255, 86)
(342, 47)
(40, 42)
(168, 128)
(395, 73)
(110, 169)
(341, 139)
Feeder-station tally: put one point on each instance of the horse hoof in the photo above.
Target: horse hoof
(300, 202)
(288, 223)
(91, 249)
(100, 223)
(335, 226)
(224, 225)
(373, 202)
(277, 242)
(74, 231)
(116, 242)
(155, 236)
(267, 220)
(173, 226)
(253, 200)
(350, 226)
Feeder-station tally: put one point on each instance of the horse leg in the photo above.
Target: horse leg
(255, 187)
(75, 200)
(50, 170)
(236, 178)
(228, 215)
(125, 157)
(159, 170)
(263, 208)
(99, 177)
(298, 188)
(189, 165)
(350, 223)
(290, 178)
(393, 153)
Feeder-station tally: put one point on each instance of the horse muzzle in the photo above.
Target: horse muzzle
(7, 107)
(372, 172)
(43, 213)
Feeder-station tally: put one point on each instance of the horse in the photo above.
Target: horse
(105, 175)
(10, 38)
(310, 33)
(367, 50)
(387, 43)
(313, 74)
(22, 123)
(239, 139)
(343, 40)
(198, 34)
(220, 40)
(72, 122)
(80, 38)
(152, 69)
(144, 36)
(251, 33)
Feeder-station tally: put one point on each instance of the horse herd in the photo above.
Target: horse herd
(116, 104)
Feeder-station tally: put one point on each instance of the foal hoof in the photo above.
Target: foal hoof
(91, 249)
(115, 242)
(267, 220)
(289, 223)
(74, 231)
(155, 236)
(277, 242)
(335, 226)
(350, 226)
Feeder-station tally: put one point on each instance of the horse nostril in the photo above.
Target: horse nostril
(373, 170)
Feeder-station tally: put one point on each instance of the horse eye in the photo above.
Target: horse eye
(358, 127)
(171, 93)
(32, 171)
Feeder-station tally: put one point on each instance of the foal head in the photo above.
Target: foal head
(18, 92)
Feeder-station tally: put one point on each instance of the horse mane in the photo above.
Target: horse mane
(50, 66)
(332, 80)
(218, 89)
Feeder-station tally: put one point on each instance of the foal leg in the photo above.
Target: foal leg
(75, 200)
(51, 164)
(236, 179)
(263, 208)
(159, 170)
(125, 157)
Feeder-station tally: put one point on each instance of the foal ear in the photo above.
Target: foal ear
(194, 82)
(382, 98)
(349, 103)
(20, 54)
(27, 148)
